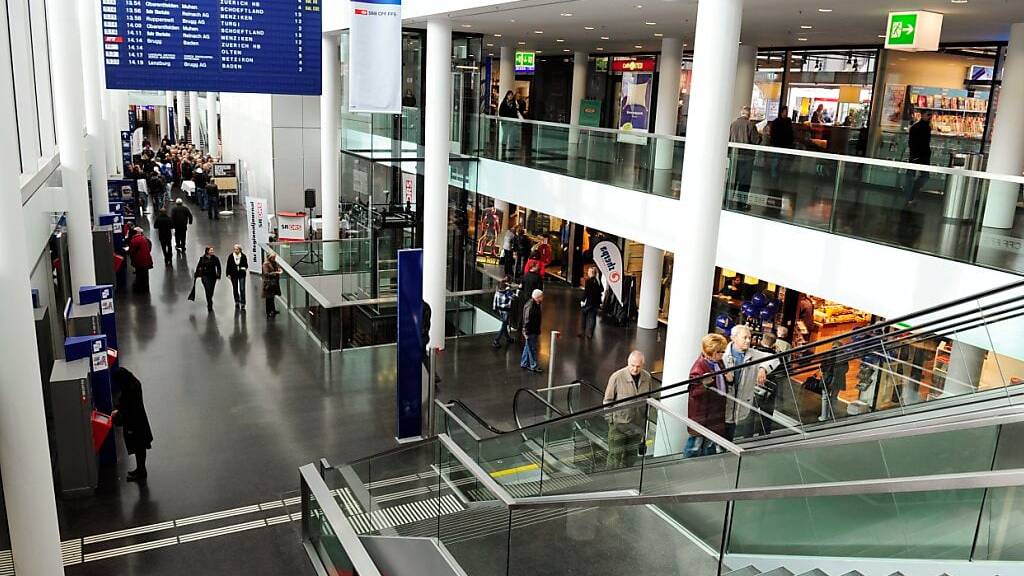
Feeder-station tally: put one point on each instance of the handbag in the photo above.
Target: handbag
(192, 294)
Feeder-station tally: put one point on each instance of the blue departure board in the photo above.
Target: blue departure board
(261, 46)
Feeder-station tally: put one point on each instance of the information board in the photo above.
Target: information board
(264, 46)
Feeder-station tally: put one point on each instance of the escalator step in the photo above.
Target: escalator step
(748, 571)
(778, 572)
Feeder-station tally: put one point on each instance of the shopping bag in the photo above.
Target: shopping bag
(192, 294)
(101, 426)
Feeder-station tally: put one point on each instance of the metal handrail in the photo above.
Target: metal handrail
(354, 549)
(697, 426)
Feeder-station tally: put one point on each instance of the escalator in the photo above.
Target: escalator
(927, 487)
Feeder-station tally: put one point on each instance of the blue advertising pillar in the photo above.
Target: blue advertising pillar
(95, 349)
(410, 344)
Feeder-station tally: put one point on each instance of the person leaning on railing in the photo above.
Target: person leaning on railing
(705, 406)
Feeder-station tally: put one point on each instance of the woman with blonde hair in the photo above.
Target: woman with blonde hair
(706, 397)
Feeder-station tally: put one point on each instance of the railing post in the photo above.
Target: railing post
(555, 335)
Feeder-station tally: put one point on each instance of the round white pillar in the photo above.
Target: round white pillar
(1007, 150)
(194, 118)
(211, 124)
(579, 92)
(66, 67)
(93, 82)
(168, 107)
(179, 97)
(650, 288)
(330, 147)
(437, 120)
(506, 72)
(746, 65)
(703, 184)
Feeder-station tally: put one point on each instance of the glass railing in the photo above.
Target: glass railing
(928, 209)
(926, 496)
(326, 257)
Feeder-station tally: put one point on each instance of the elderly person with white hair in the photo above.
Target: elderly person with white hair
(532, 317)
(743, 383)
(626, 429)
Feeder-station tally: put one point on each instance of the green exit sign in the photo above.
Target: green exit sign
(917, 31)
(526, 62)
(902, 29)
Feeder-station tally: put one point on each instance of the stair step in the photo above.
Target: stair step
(817, 572)
(853, 573)
(780, 571)
(747, 571)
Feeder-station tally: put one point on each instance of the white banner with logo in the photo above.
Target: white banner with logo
(259, 231)
(609, 261)
(375, 57)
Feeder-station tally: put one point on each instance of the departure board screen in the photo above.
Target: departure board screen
(261, 46)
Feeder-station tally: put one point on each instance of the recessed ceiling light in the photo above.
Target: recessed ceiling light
(806, 26)
(522, 43)
(490, 45)
(638, 46)
(560, 40)
(538, 31)
(600, 49)
(467, 25)
(651, 23)
(567, 14)
(588, 27)
(959, 1)
(605, 38)
(802, 39)
(566, 50)
(497, 35)
(824, 10)
(639, 5)
(512, 20)
(658, 34)
(539, 51)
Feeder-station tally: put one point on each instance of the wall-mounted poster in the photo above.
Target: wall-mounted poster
(635, 105)
(892, 106)
(488, 228)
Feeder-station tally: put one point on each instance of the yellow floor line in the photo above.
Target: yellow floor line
(516, 470)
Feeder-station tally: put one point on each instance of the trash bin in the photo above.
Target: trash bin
(960, 198)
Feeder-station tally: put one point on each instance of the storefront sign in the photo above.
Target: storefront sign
(375, 57)
(259, 230)
(526, 62)
(635, 105)
(630, 64)
(608, 258)
(914, 31)
(590, 113)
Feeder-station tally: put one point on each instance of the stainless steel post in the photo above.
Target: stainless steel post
(555, 335)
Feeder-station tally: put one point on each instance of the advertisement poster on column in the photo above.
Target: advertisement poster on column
(259, 230)
(635, 105)
(375, 57)
(608, 258)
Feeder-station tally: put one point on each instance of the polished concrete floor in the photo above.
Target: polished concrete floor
(238, 402)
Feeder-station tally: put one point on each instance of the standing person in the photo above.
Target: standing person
(237, 271)
(503, 299)
(806, 329)
(744, 382)
(627, 426)
(140, 251)
(508, 240)
(130, 414)
(164, 225)
(523, 248)
(818, 117)
(544, 255)
(157, 186)
(271, 283)
(920, 148)
(706, 399)
(212, 200)
(531, 280)
(781, 135)
(181, 217)
(743, 131)
(208, 271)
(532, 317)
(508, 131)
(200, 180)
(591, 303)
(834, 367)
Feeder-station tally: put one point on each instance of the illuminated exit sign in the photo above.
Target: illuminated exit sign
(913, 31)
(526, 62)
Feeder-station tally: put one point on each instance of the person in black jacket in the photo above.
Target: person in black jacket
(531, 281)
(157, 186)
(181, 217)
(130, 414)
(920, 148)
(237, 270)
(208, 271)
(522, 246)
(509, 131)
(163, 225)
(212, 200)
(780, 135)
(592, 292)
(532, 319)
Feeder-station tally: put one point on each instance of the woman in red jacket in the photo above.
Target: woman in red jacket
(706, 405)
(140, 250)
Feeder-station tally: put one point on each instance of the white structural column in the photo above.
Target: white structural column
(746, 65)
(666, 123)
(211, 124)
(437, 119)
(117, 121)
(579, 92)
(94, 84)
(194, 118)
(330, 146)
(704, 169)
(169, 106)
(66, 65)
(1007, 152)
(180, 96)
(506, 71)
(24, 449)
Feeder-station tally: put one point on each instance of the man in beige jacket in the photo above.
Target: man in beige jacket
(626, 426)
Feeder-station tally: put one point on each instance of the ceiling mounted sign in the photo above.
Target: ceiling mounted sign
(375, 57)
(917, 31)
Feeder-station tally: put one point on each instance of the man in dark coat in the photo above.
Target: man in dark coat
(163, 225)
(919, 143)
(181, 216)
(130, 414)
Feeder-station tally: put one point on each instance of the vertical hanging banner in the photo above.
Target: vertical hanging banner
(608, 258)
(375, 57)
(259, 231)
